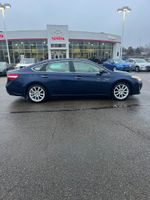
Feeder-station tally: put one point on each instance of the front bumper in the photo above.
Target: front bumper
(3, 73)
(147, 68)
(140, 85)
(144, 68)
(137, 87)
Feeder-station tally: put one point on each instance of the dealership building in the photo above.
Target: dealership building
(57, 41)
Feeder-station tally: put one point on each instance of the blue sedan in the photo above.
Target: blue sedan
(118, 64)
(70, 77)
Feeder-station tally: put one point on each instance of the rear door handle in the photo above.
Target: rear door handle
(44, 76)
(78, 77)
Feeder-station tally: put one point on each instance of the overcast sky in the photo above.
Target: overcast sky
(86, 15)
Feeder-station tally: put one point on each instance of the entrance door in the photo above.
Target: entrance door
(58, 54)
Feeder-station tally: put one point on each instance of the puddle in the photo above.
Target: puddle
(115, 106)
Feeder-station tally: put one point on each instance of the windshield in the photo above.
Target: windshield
(140, 60)
(2, 64)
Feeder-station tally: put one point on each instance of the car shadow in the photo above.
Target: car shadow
(71, 104)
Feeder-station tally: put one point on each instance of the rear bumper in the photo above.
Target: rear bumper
(13, 89)
(14, 93)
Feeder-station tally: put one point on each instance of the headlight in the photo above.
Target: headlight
(137, 78)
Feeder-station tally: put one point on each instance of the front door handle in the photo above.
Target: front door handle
(78, 77)
(44, 76)
(98, 78)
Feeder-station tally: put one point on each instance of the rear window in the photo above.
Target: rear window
(58, 67)
(52, 67)
(40, 67)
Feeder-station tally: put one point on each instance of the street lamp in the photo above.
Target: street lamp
(124, 10)
(3, 7)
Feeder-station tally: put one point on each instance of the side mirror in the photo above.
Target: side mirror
(102, 72)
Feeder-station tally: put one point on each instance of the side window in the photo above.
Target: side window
(84, 67)
(58, 67)
(40, 67)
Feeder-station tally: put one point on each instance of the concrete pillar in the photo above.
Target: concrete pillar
(67, 53)
(49, 48)
(116, 50)
(49, 54)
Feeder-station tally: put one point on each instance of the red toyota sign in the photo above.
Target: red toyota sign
(1, 36)
(58, 38)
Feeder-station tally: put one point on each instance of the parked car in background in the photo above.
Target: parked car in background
(118, 64)
(140, 64)
(22, 65)
(28, 60)
(4, 67)
(99, 61)
(147, 60)
(70, 77)
(25, 62)
(96, 60)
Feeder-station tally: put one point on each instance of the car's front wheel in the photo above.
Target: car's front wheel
(137, 69)
(121, 91)
(36, 93)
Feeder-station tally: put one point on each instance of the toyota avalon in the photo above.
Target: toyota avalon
(70, 77)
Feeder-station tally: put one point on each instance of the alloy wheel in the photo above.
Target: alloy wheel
(37, 93)
(121, 91)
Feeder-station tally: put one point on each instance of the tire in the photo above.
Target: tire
(121, 91)
(137, 69)
(36, 93)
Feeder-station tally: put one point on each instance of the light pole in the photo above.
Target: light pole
(3, 7)
(124, 10)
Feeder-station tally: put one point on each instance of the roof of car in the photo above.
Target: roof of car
(63, 59)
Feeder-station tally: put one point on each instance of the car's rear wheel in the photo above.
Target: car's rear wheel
(137, 69)
(121, 91)
(37, 93)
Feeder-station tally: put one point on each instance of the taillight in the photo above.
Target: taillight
(12, 77)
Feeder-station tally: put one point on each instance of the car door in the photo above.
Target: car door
(56, 76)
(89, 79)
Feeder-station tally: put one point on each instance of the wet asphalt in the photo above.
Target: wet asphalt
(75, 149)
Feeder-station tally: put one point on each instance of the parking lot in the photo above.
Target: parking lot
(75, 149)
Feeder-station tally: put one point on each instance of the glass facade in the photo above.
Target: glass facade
(38, 49)
(85, 49)
(28, 48)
